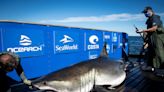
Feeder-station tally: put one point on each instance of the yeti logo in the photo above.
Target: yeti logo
(25, 40)
(66, 39)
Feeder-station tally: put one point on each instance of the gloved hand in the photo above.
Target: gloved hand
(27, 82)
(139, 31)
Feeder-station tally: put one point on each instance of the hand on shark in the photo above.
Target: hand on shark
(27, 82)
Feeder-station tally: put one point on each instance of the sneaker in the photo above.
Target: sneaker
(147, 68)
(159, 72)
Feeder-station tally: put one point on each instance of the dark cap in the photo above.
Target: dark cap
(146, 9)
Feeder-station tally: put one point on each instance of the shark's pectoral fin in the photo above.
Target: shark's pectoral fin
(46, 90)
(108, 87)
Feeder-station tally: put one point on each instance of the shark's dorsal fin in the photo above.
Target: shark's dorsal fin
(104, 50)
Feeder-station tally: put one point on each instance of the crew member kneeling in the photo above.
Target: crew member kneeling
(8, 62)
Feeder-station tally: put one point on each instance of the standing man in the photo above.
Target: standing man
(8, 62)
(155, 39)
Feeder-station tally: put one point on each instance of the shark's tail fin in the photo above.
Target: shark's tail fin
(104, 50)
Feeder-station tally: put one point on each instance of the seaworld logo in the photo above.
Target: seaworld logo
(93, 41)
(66, 39)
(25, 41)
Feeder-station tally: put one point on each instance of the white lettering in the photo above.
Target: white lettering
(93, 47)
(66, 47)
(107, 36)
(93, 56)
(26, 49)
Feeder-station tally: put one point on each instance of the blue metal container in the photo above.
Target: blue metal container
(47, 48)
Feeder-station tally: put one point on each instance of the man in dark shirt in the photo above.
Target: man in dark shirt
(8, 62)
(155, 39)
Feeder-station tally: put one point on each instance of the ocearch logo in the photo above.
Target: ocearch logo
(25, 42)
(93, 39)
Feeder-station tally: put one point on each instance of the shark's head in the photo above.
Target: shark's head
(49, 83)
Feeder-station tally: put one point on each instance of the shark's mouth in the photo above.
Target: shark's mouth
(46, 88)
(84, 83)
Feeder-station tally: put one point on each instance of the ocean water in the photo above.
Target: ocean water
(135, 45)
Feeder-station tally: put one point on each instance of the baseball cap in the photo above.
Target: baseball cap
(146, 9)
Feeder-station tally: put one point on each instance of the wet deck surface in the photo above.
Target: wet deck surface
(135, 82)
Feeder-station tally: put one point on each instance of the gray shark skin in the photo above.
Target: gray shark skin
(83, 76)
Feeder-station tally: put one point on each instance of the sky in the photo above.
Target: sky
(112, 15)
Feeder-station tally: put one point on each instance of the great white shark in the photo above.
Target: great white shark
(83, 76)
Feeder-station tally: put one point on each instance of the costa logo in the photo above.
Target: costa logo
(93, 40)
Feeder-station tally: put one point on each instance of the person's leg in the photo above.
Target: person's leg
(155, 47)
(3, 82)
(159, 51)
(150, 56)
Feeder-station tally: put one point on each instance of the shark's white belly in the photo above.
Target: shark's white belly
(106, 79)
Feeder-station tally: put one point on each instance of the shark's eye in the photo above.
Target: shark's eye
(45, 83)
(122, 66)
